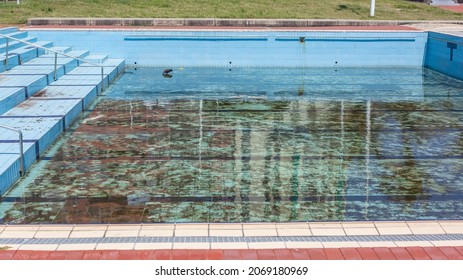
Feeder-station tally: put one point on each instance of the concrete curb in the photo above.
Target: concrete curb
(222, 22)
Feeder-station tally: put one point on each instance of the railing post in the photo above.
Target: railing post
(56, 66)
(22, 167)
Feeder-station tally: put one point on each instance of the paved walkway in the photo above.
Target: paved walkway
(317, 240)
(377, 253)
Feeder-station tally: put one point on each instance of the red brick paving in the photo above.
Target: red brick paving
(317, 254)
(401, 253)
(435, 253)
(333, 254)
(267, 254)
(384, 253)
(381, 253)
(451, 253)
(299, 254)
(418, 253)
(367, 254)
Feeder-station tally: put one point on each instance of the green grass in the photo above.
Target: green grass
(10, 13)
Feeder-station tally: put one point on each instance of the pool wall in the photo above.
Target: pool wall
(251, 48)
(444, 54)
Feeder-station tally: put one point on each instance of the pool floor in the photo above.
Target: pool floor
(256, 145)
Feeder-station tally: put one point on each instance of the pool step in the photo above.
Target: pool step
(42, 108)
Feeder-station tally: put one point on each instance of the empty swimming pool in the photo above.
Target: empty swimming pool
(256, 144)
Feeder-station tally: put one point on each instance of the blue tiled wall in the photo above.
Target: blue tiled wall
(444, 53)
(252, 48)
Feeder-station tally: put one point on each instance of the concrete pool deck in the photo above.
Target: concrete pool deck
(315, 240)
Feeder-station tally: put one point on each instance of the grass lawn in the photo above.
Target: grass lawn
(10, 13)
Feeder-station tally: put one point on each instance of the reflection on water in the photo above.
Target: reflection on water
(257, 145)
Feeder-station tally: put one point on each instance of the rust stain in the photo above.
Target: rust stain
(41, 93)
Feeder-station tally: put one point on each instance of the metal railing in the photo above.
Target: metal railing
(22, 167)
(8, 38)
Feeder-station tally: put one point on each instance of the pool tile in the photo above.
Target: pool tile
(39, 255)
(229, 245)
(260, 232)
(9, 247)
(121, 233)
(394, 230)
(157, 226)
(123, 227)
(328, 231)
(115, 246)
(452, 228)
(73, 247)
(18, 234)
(334, 225)
(358, 225)
(340, 244)
(156, 233)
(267, 245)
(258, 226)
(292, 226)
(226, 232)
(294, 232)
(84, 234)
(56, 228)
(182, 245)
(95, 227)
(377, 244)
(304, 245)
(152, 246)
(53, 234)
(447, 243)
(412, 243)
(225, 226)
(39, 247)
(433, 229)
(192, 232)
(361, 231)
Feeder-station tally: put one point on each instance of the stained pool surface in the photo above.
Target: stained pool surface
(256, 144)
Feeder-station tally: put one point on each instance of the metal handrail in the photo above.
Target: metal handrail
(22, 168)
(56, 56)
